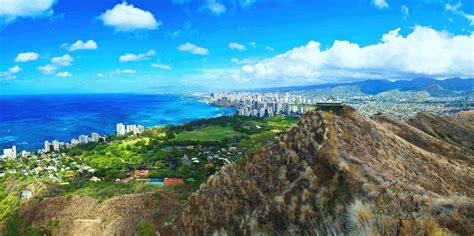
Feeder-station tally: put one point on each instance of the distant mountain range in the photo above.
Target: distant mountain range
(433, 86)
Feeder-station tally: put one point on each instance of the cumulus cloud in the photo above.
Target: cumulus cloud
(380, 4)
(215, 7)
(456, 10)
(244, 61)
(80, 45)
(12, 9)
(161, 66)
(64, 60)
(137, 57)
(10, 73)
(117, 72)
(237, 46)
(125, 17)
(64, 74)
(194, 49)
(56, 63)
(48, 69)
(268, 48)
(14, 69)
(26, 56)
(423, 52)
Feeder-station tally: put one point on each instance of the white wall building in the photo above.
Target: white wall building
(121, 129)
(9, 152)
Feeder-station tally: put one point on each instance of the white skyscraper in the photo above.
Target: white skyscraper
(95, 137)
(140, 129)
(47, 146)
(121, 129)
(83, 138)
(55, 145)
(74, 142)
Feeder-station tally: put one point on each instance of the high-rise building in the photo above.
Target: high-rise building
(83, 138)
(140, 129)
(288, 109)
(55, 145)
(47, 146)
(121, 129)
(74, 142)
(95, 137)
(131, 128)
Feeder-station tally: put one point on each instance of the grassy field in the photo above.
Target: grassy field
(210, 133)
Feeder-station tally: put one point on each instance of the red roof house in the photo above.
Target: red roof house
(170, 181)
(140, 173)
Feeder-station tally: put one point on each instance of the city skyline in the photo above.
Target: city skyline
(56, 46)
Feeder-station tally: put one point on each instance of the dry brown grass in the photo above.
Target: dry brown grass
(308, 182)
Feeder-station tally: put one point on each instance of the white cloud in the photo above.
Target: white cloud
(456, 10)
(10, 73)
(380, 4)
(453, 8)
(268, 48)
(137, 57)
(125, 17)
(48, 69)
(237, 46)
(253, 44)
(246, 61)
(194, 49)
(395, 57)
(126, 71)
(26, 56)
(405, 11)
(215, 7)
(161, 66)
(117, 72)
(80, 45)
(56, 63)
(12, 9)
(64, 60)
(14, 70)
(64, 74)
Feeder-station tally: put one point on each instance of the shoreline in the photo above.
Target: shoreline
(9, 144)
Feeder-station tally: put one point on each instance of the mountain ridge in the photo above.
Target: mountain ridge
(373, 87)
(325, 169)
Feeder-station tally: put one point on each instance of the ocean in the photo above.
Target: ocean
(28, 120)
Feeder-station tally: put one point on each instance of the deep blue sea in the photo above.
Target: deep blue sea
(26, 121)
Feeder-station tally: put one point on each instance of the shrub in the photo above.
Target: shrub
(145, 229)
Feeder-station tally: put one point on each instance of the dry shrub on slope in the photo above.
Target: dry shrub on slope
(333, 175)
(457, 130)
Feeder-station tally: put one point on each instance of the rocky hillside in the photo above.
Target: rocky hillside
(346, 174)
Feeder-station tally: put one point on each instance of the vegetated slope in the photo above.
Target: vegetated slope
(424, 140)
(83, 215)
(465, 118)
(457, 130)
(337, 175)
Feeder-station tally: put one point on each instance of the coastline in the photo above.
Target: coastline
(154, 117)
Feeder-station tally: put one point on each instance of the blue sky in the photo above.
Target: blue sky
(59, 46)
